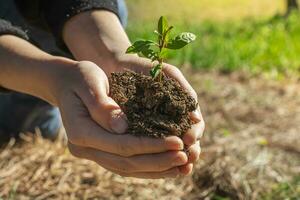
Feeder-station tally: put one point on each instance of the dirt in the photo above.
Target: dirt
(155, 108)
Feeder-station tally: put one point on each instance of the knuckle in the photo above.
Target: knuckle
(194, 155)
(190, 138)
(195, 152)
(124, 148)
(98, 104)
(96, 108)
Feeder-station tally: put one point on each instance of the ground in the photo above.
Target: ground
(250, 151)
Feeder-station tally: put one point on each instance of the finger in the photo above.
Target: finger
(89, 134)
(196, 115)
(194, 152)
(158, 162)
(135, 164)
(186, 169)
(193, 155)
(171, 173)
(194, 133)
(175, 73)
(103, 109)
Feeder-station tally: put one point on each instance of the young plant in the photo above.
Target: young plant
(156, 51)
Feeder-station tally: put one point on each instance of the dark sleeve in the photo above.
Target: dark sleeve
(57, 12)
(7, 28)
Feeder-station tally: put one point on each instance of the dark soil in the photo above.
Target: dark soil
(153, 108)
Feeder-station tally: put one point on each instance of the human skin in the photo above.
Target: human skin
(104, 41)
(95, 124)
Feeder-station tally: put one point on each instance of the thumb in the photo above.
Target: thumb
(106, 112)
(102, 108)
(109, 115)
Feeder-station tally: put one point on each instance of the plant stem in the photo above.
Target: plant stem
(160, 59)
(160, 73)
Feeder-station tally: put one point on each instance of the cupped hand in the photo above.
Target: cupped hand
(192, 137)
(95, 127)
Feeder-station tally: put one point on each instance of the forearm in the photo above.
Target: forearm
(27, 69)
(97, 36)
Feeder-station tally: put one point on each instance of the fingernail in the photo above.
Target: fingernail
(174, 143)
(119, 123)
(179, 160)
(180, 145)
(196, 116)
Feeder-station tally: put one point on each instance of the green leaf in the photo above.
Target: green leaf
(162, 25)
(155, 71)
(167, 34)
(150, 53)
(140, 46)
(181, 40)
(164, 30)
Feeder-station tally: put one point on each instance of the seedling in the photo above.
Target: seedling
(158, 106)
(157, 51)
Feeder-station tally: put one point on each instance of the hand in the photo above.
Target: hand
(104, 42)
(95, 125)
(192, 138)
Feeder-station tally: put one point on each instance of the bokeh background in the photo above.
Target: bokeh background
(245, 67)
(232, 35)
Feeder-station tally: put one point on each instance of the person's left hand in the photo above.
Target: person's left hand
(192, 137)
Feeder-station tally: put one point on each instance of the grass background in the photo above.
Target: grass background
(232, 35)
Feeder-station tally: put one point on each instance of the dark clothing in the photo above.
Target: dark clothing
(49, 15)
(7, 28)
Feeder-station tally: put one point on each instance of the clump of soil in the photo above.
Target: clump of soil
(153, 108)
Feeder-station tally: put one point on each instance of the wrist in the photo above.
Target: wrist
(27, 69)
(57, 70)
(102, 41)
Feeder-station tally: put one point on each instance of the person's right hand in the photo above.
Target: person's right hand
(96, 127)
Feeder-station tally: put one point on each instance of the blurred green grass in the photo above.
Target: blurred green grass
(267, 45)
(285, 190)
